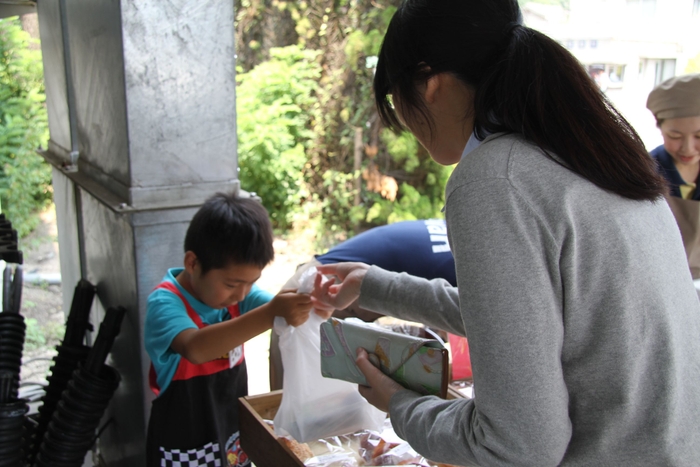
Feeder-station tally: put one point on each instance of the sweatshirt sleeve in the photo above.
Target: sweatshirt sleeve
(510, 302)
(412, 298)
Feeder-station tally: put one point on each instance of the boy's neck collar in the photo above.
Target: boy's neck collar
(185, 281)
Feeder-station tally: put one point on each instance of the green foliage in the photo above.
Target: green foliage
(419, 201)
(274, 104)
(362, 44)
(410, 206)
(403, 149)
(693, 65)
(337, 204)
(25, 179)
(38, 335)
(34, 335)
(54, 332)
(298, 114)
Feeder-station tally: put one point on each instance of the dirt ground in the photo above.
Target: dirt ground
(42, 303)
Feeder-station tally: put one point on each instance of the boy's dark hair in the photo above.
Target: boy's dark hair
(230, 229)
(524, 83)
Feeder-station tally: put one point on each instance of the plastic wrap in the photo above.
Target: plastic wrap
(364, 448)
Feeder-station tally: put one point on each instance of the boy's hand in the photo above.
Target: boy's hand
(293, 307)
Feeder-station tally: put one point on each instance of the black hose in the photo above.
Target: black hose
(78, 319)
(109, 329)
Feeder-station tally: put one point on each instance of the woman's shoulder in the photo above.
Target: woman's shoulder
(512, 162)
(499, 156)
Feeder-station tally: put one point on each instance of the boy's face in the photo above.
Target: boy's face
(223, 287)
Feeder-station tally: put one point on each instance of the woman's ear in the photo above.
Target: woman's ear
(432, 88)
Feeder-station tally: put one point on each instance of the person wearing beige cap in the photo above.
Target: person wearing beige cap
(675, 104)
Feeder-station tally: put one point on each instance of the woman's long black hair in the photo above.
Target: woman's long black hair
(524, 83)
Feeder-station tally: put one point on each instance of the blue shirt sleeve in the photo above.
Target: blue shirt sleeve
(166, 317)
(254, 299)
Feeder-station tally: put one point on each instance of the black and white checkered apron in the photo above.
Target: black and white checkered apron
(194, 422)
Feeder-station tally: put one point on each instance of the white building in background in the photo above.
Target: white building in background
(632, 45)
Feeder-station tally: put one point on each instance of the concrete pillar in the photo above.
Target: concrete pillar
(141, 103)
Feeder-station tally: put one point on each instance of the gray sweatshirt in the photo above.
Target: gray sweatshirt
(582, 320)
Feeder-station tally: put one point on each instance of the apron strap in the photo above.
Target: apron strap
(186, 369)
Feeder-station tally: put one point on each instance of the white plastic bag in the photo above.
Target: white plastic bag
(315, 407)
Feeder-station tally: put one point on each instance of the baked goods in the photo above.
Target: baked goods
(366, 448)
(301, 450)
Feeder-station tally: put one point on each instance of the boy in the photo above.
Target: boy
(197, 320)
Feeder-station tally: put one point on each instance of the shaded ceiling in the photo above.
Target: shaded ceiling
(16, 7)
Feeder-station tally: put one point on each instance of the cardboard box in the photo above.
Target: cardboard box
(259, 440)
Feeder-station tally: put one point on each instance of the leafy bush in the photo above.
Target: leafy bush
(274, 107)
(25, 179)
(421, 199)
(298, 114)
(337, 205)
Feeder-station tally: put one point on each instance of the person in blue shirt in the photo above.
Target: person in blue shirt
(419, 248)
(197, 320)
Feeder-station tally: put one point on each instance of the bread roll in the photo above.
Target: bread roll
(301, 450)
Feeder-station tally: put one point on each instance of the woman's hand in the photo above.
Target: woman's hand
(321, 309)
(380, 387)
(339, 295)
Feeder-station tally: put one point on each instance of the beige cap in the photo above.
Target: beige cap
(677, 97)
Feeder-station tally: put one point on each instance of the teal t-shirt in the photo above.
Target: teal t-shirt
(166, 317)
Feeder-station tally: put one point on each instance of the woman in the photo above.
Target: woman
(582, 320)
(675, 104)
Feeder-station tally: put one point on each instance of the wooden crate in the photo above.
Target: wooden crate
(258, 439)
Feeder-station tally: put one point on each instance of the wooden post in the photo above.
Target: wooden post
(358, 164)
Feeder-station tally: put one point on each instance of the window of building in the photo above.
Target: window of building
(616, 73)
(642, 7)
(696, 7)
(594, 43)
(569, 44)
(582, 44)
(607, 75)
(665, 69)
